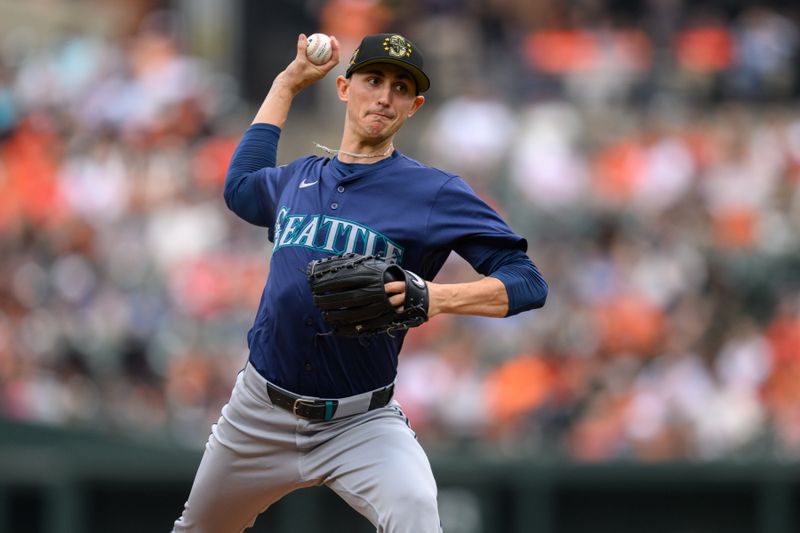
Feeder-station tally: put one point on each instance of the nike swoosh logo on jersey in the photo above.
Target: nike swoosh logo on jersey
(304, 184)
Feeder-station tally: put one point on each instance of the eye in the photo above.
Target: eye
(373, 80)
(401, 88)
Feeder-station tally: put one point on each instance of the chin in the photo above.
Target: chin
(380, 131)
(376, 134)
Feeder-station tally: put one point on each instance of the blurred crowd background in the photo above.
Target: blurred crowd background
(649, 151)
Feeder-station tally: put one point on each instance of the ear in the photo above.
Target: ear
(418, 101)
(342, 87)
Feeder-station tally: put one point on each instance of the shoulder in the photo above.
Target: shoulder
(433, 176)
(301, 167)
(443, 180)
(306, 162)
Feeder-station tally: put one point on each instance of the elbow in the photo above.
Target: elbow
(525, 286)
(538, 289)
(533, 297)
(541, 295)
(229, 191)
(538, 293)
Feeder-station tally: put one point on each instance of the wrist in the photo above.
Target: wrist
(285, 88)
(438, 298)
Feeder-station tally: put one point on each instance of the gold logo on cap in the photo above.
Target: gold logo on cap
(397, 46)
(354, 56)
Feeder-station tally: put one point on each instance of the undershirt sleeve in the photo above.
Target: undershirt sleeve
(525, 285)
(251, 177)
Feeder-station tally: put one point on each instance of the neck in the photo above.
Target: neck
(364, 153)
(353, 157)
(356, 149)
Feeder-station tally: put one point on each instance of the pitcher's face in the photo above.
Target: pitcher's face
(380, 98)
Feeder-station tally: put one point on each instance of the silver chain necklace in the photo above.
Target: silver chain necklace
(351, 154)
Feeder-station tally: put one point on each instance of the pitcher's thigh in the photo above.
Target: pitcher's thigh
(383, 473)
(229, 492)
(246, 466)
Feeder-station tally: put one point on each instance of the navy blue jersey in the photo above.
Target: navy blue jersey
(312, 208)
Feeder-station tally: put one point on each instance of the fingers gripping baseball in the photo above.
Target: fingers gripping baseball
(301, 72)
(302, 56)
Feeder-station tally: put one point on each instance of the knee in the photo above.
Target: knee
(419, 498)
(413, 510)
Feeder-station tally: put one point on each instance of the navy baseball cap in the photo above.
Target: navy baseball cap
(390, 48)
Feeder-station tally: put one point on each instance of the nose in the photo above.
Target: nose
(385, 95)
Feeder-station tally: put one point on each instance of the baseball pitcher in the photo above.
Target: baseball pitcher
(358, 236)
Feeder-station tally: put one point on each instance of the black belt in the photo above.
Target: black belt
(319, 409)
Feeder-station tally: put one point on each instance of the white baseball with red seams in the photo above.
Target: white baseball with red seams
(319, 48)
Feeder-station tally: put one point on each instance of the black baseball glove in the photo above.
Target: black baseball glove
(349, 291)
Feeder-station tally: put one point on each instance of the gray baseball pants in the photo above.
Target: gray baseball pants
(257, 453)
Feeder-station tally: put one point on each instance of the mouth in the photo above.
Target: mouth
(380, 114)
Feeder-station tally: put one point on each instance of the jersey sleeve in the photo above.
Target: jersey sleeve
(252, 181)
(460, 221)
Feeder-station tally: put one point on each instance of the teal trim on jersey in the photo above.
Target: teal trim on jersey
(328, 409)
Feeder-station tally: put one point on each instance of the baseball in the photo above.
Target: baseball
(319, 48)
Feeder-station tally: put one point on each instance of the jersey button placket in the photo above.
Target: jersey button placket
(335, 201)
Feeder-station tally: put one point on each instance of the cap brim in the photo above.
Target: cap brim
(422, 81)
